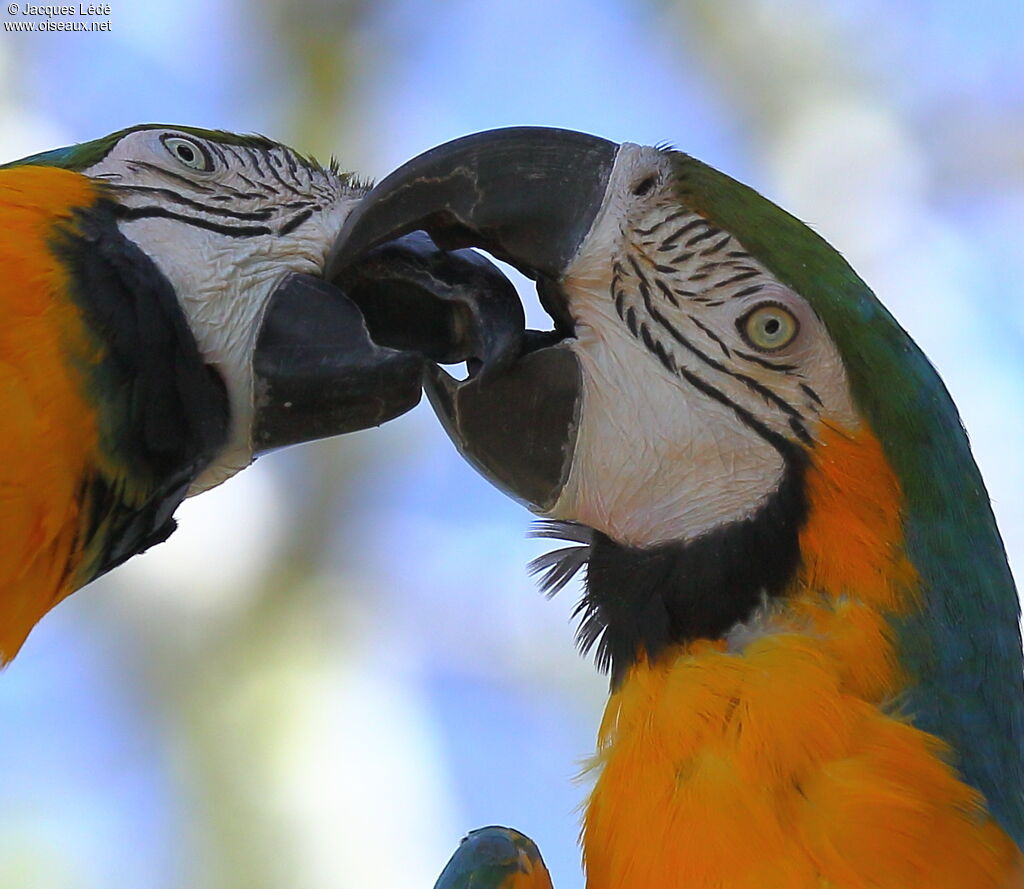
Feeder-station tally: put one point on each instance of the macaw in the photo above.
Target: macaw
(495, 858)
(166, 317)
(793, 573)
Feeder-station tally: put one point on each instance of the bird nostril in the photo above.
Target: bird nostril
(644, 186)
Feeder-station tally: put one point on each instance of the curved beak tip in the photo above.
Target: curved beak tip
(450, 306)
(528, 195)
(334, 356)
(517, 429)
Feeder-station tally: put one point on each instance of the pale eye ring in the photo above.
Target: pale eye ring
(768, 327)
(188, 153)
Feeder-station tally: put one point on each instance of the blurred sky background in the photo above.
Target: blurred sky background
(339, 665)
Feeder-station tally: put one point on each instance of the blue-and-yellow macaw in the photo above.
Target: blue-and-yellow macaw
(793, 572)
(165, 318)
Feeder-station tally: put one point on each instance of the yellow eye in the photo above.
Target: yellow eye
(769, 327)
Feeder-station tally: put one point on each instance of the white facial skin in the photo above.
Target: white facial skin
(672, 389)
(248, 216)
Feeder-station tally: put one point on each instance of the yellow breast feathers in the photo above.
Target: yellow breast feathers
(48, 432)
(777, 759)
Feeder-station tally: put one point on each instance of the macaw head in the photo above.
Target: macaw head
(723, 415)
(241, 228)
(676, 353)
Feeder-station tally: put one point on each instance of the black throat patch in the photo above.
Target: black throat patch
(641, 601)
(162, 412)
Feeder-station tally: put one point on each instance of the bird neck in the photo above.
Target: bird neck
(852, 544)
(782, 731)
(831, 534)
(854, 575)
(847, 580)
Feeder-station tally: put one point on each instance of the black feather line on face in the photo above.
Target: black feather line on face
(180, 199)
(158, 212)
(640, 331)
(639, 602)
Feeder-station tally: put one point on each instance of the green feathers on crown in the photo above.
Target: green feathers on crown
(85, 154)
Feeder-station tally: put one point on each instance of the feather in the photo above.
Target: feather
(559, 566)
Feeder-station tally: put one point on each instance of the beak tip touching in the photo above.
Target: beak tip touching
(528, 195)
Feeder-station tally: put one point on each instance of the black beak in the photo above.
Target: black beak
(343, 353)
(529, 196)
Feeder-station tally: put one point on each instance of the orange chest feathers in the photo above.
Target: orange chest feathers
(49, 432)
(771, 760)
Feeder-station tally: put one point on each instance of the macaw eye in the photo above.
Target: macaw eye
(768, 327)
(187, 152)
